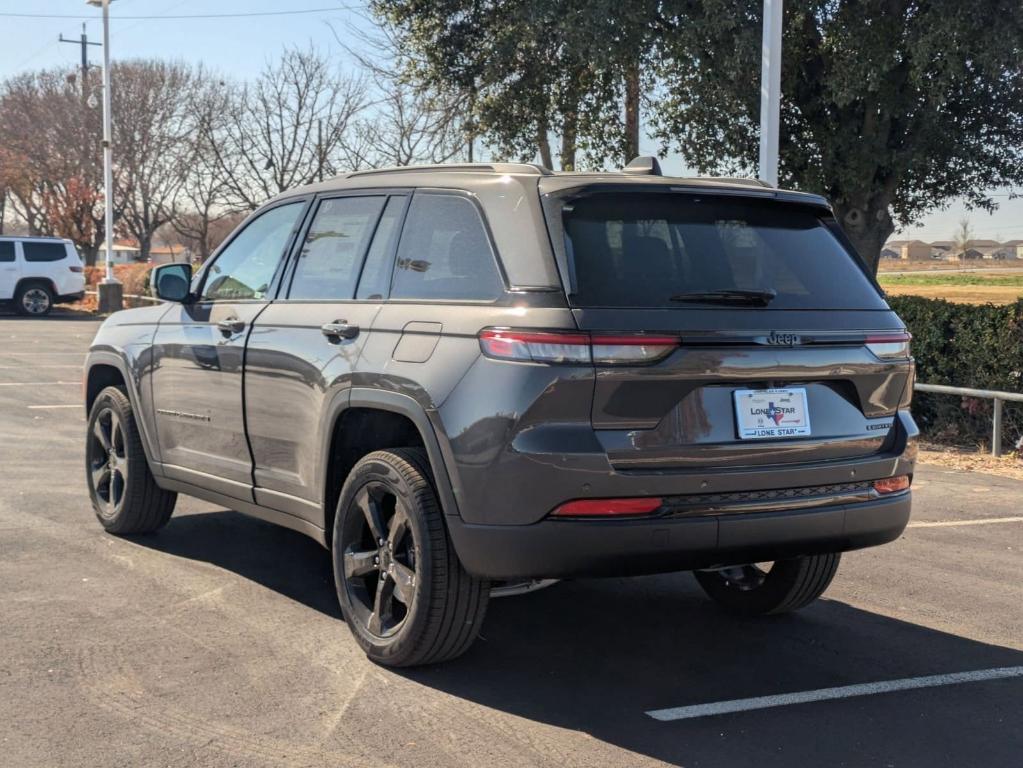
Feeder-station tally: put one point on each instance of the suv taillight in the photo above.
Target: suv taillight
(578, 347)
(76, 268)
(890, 346)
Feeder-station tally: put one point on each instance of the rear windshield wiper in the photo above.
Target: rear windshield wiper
(759, 298)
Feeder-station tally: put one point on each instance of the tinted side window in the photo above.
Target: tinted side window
(328, 266)
(376, 274)
(245, 268)
(44, 251)
(444, 252)
(6, 250)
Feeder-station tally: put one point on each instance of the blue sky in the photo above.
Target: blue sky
(240, 46)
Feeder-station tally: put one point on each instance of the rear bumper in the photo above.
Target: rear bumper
(559, 549)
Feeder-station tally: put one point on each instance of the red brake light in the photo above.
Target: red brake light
(890, 346)
(537, 347)
(579, 348)
(892, 484)
(607, 507)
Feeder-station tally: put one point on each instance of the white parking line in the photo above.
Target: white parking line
(950, 523)
(35, 383)
(45, 407)
(826, 694)
(39, 365)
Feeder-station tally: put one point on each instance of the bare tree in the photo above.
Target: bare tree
(204, 192)
(408, 124)
(285, 129)
(961, 239)
(153, 138)
(405, 122)
(49, 157)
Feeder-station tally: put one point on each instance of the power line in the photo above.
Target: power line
(186, 16)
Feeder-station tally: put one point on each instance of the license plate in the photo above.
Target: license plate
(771, 413)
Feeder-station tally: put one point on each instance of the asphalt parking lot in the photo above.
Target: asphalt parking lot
(218, 642)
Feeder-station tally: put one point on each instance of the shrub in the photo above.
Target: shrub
(965, 345)
(135, 277)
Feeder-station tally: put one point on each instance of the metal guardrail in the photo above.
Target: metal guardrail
(134, 296)
(987, 394)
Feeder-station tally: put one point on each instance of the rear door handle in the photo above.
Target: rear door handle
(231, 325)
(339, 329)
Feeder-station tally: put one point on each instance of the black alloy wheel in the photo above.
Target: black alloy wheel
(124, 494)
(403, 591)
(380, 560)
(108, 462)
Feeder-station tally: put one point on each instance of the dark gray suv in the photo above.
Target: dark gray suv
(457, 375)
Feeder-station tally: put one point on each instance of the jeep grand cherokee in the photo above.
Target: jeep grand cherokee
(453, 375)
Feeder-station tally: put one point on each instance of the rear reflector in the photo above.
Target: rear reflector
(892, 484)
(607, 507)
(575, 347)
(890, 346)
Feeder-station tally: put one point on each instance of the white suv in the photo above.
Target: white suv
(37, 272)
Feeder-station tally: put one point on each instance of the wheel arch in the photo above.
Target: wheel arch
(398, 420)
(105, 369)
(35, 280)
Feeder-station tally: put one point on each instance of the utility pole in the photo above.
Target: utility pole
(110, 291)
(770, 91)
(84, 43)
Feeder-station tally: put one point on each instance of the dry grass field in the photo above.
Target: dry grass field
(961, 287)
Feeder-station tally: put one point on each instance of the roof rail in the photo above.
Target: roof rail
(530, 168)
(738, 180)
(645, 165)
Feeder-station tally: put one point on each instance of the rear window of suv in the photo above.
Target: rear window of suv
(647, 250)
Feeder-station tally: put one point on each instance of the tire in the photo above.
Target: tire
(788, 586)
(33, 299)
(125, 497)
(427, 608)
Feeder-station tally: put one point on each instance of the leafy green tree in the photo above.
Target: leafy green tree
(533, 69)
(890, 108)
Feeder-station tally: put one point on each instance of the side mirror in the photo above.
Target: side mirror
(172, 282)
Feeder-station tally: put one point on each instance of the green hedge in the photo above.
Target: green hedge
(965, 345)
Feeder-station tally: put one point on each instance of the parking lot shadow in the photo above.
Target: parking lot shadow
(594, 655)
(277, 558)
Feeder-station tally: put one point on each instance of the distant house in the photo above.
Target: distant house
(986, 248)
(1011, 249)
(124, 252)
(947, 249)
(128, 252)
(168, 254)
(909, 249)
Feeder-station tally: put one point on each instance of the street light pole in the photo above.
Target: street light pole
(770, 91)
(110, 290)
